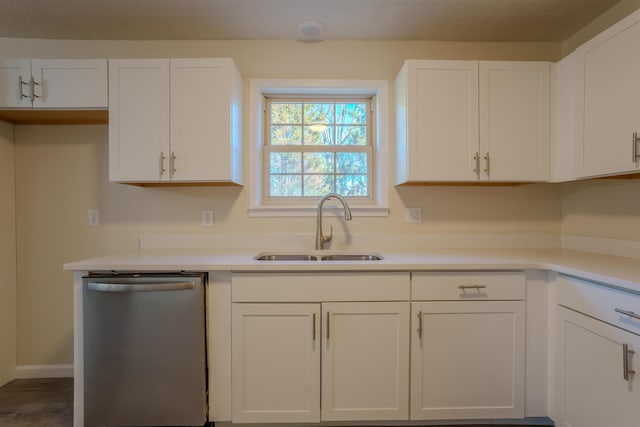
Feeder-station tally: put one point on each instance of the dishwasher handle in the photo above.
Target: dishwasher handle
(135, 287)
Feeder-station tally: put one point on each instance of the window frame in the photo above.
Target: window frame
(377, 90)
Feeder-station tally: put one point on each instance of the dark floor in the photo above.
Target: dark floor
(37, 403)
(48, 402)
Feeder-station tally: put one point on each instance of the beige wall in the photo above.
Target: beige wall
(602, 208)
(7, 255)
(61, 172)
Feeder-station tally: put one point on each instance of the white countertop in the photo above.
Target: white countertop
(613, 270)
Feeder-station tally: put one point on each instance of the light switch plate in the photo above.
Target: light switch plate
(413, 215)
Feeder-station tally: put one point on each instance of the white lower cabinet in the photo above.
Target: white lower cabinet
(277, 363)
(337, 347)
(468, 345)
(595, 358)
(597, 352)
(365, 361)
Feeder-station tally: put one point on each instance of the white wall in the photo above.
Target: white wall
(7, 255)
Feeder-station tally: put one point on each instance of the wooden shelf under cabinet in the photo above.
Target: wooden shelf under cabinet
(56, 117)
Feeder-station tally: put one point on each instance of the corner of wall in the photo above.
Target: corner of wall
(602, 22)
(8, 265)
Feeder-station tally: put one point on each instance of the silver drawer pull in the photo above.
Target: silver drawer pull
(626, 369)
(627, 313)
(464, 287)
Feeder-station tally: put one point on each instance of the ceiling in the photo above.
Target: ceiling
(441, 20)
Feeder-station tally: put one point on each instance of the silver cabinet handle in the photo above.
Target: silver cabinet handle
(420, 324)
(463, 287)
(20, 84)
(476, 158)
(627, 313)
(634, 149)
(33, 89)
(626, 369)
(146, 287)
(314, 327)
(486, 158)
(162, 169)
(328, 317)
(172, 163)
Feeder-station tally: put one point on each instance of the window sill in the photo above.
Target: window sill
(291, 211)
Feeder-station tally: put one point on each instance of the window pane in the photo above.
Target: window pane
(318, 113)
(318, 162)
(286, 135)
(352, 135)
(352, 185)
(351, 113)
(286, 112)
(351, 163)
(318, 185)
(285, 163)
(318, 135)
(285, 186)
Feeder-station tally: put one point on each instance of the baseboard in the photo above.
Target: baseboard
(44, 371)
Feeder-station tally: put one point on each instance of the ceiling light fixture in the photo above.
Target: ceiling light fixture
(310, 31)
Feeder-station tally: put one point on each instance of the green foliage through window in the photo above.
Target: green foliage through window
(314, 147)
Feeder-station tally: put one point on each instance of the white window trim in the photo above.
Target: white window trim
(258, 88)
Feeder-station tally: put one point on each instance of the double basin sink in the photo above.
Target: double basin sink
(273, 256)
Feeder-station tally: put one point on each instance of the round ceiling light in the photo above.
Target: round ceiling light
(310, 31)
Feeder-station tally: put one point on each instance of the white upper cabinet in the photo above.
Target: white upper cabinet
(139, 120)
(470, 121)
(437, 124)
(514, 121)
(175, 120)
(53, 83)
(608, 101)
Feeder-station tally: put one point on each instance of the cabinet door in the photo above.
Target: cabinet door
(514, 121)
(609, 76)
(467, 360)
(12, 93)
(442, 120)
(139, 120)
(276, 362)
(365, 361)
(591, 384)
(70, 83)
(200, 119)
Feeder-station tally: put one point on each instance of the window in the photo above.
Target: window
(311, 137)
(317, 146)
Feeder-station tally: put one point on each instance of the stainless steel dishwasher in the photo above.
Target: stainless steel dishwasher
(144, 349)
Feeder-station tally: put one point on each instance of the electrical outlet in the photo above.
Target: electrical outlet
(413, 215)
(94, 217)
(207, 218)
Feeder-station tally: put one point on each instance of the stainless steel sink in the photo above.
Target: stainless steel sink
(286, 257)
(341, 256)
(351, 257)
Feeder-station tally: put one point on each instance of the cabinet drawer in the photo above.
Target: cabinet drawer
(601, 302)
(472, 285)
(320, 286)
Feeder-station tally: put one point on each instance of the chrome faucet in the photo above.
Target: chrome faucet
(321, 239)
